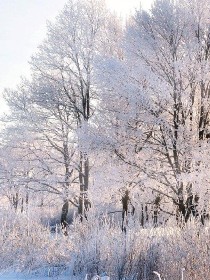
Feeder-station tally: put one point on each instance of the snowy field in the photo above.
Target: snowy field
(22, 276)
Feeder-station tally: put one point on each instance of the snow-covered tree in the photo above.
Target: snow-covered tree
(61, 97)
(159, 99)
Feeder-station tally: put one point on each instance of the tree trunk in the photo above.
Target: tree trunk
(15, 200)
(64, 214)
(84, 203)
(188, 208)
(156, 210)
(125, 201)
(144, 215)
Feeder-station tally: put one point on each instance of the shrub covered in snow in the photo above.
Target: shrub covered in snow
(27, 245)
(172, 251)
(98, 246)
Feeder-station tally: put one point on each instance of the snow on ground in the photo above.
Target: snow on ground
(21, 276)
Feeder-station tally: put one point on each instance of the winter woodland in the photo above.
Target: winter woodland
(105, 154)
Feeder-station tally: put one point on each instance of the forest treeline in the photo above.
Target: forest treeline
(114, 114)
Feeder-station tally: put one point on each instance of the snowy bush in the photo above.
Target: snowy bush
(27, 245)
(100, 247)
